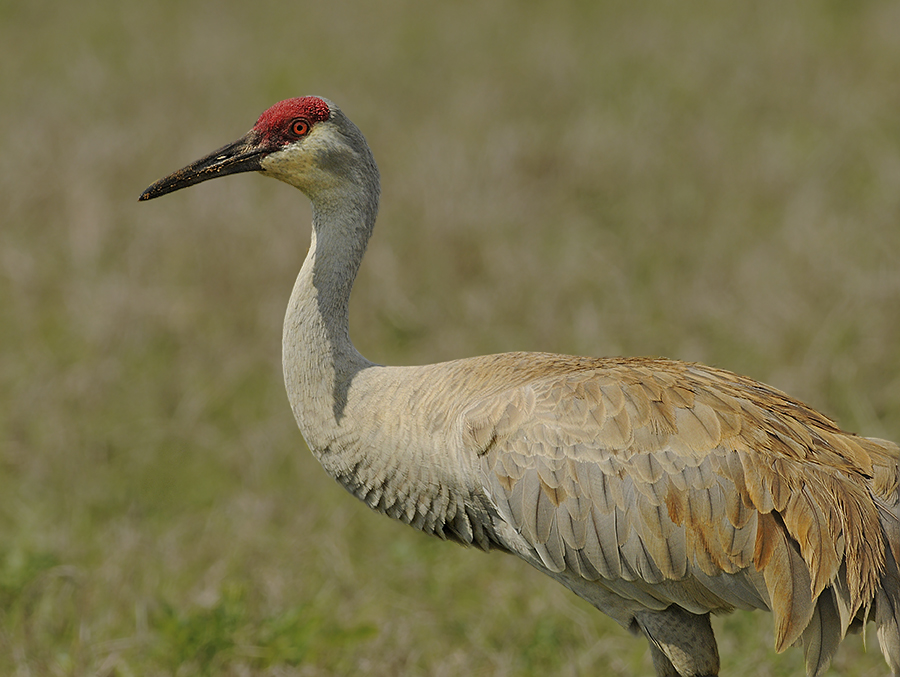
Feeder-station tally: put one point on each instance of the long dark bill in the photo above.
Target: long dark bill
(243, 155)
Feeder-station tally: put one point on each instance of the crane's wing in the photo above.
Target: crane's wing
(654, 478)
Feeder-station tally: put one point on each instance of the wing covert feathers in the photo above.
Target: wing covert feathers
(668, 482)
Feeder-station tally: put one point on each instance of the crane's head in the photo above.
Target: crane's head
(306, 142)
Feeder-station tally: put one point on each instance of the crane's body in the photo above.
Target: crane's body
(660, 491)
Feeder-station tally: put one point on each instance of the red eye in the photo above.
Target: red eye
(300, 127)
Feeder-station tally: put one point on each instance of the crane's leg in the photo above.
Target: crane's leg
(681, 643)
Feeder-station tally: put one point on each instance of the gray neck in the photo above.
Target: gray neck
(319, 359)
(339, 399)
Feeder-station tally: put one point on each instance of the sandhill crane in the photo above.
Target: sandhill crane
(659, 491)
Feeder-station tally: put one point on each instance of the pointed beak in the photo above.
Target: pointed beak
(243, 155)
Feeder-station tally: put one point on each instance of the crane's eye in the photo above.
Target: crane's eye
(300, 127)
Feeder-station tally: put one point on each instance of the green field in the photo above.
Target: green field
(707, 181)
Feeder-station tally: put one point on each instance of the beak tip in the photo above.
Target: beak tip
(149, 194)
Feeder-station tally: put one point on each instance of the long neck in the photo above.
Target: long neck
(319, 359)
(340, 399)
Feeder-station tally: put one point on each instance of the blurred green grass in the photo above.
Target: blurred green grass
(714, 182)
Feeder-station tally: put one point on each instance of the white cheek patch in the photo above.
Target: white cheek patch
(298, 164)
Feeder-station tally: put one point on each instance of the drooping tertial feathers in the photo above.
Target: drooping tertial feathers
(659, 491)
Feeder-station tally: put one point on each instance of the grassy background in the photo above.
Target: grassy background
(708, 181)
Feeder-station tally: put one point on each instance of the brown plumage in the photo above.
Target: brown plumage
(659, 491)
(693, 486)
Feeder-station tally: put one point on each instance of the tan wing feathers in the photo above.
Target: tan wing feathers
(598, 487)
(655, 473)
(639, 561)
(886, 461)
(757, 480)
(698, 427)
(573, 523)
(887, 610)
(822, 635)
(602, 544)
(524, 491)
(787, 579)
(815, 539)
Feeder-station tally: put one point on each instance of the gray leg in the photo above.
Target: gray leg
(681, 643)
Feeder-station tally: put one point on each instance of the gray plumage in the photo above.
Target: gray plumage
(659, 491)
